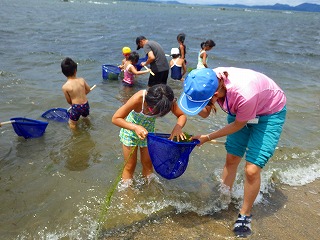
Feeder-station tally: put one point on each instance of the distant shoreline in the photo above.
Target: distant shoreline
(304, 7)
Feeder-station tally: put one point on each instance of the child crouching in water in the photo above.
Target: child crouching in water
(130, 70)
(177, 65)
(75, 91)
(137, 117)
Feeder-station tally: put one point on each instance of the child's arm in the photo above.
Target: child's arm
(184, 68)
(66, 94)
(205, 112)
(204, 59)
(122, 64)
(181, 121)
(87, 87)
(136, 72)
(119, 117)
(171, 63)
(181, 48)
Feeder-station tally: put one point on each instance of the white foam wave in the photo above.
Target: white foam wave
(100, 3)
(298, 169)
(298, 176)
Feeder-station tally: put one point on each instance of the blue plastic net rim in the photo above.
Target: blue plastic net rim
(111, 68)
(172, 164)
(28, 128)
(27, 121)
(163, 137)
(57, 114)
(53, 110)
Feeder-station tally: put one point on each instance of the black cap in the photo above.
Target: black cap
(138, 39)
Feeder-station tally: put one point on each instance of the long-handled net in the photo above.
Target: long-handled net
(110, 72)
(138, 65)
(57, 114)
(26, 127)
(169, 158)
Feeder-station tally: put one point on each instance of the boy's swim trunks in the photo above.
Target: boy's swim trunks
(78, 110)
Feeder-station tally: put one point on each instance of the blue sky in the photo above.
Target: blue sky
(251, 2)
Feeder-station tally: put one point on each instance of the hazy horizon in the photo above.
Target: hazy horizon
(251, 2)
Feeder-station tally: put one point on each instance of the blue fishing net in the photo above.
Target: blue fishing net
(169, 158)
(28, 128)
(138, 65)
(57, 114)
(110, 72)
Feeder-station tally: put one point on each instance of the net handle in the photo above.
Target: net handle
(7, 122)
(152, 73)
(25, 133)
(93, 87)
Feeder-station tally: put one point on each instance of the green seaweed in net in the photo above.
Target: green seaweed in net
(188, 139)
(113, 76)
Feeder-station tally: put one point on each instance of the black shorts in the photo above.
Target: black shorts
(158, 78)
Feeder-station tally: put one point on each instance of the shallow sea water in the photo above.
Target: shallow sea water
(54, 187)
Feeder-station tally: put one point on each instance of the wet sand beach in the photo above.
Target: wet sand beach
(290, 213)
(57, 186)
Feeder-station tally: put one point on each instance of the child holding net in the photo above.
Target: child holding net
(137, 117)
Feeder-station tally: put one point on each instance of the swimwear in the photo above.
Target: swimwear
(200, 62)
(176, 70)
(129, 137)
(78, 110)
(128, 78)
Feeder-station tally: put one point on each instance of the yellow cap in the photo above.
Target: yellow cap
(126, 50)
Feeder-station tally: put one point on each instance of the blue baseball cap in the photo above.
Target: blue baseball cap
(199, 87)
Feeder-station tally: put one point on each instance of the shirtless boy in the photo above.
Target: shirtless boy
(75, 90)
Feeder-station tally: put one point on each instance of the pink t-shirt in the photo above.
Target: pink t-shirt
(250, 94)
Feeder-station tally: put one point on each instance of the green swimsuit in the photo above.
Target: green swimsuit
(129, 137)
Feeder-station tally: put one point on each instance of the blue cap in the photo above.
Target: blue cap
(199, 87)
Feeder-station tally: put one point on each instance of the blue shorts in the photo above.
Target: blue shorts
(257, 141)
(78, 110)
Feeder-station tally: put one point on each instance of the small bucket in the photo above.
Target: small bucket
(110, 72)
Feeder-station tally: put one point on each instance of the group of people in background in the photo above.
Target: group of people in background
(255, 106)
(158, 62)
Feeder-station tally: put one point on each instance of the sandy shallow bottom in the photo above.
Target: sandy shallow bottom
(291, 213)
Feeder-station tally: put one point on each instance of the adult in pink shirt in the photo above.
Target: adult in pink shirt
(256, 108)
